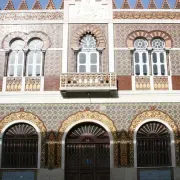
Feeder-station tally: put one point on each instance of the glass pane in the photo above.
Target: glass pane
(162, 57)
(162, 70)
(82, 58)
(144, 69)
(93, 68)
(154, 58)
(36, 44)
(19, 70)
(12, 58)
(20, 57)
(38, 57)
(30, 70)
(38, 70)
(82, 68)
(11, 70)
(17, 44)
(155, 69)
(144, 58)
(136, 57)
(93, 58)
(30, 57)
(137, 69)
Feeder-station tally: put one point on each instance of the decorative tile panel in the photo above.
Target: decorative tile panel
(175, 62)
(161, 83)
(13, 83)
(32, 83)
(142, 83)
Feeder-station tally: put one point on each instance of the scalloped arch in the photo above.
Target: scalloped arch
(13, 35)
(152, 114)
(95, 30)
(21, 115)
(149, 36)
(41, 35)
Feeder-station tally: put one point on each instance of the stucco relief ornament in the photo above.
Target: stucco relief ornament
(88, 9)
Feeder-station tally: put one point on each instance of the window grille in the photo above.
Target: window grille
(20, 147)
(153, 145)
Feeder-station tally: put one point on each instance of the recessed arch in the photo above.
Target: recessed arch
(149, 36)
(87, 116)
(13, 35)
(40, 35)
(93, 29)
(31, 119)
(153, 116)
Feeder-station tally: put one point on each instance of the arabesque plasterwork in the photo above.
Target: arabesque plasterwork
(16, 16)
(21, 115)
(152, 114)
(91, 115)
(145, 15)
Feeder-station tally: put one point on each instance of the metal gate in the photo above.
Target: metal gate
(87, 153)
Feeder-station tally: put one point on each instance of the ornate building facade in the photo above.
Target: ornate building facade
(90, 91)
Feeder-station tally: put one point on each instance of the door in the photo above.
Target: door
(87, 153)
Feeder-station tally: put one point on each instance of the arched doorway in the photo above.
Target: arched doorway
(87, 153)
(153, 145)
(20, 147)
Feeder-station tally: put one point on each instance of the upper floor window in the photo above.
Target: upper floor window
(88, 57)
(34, 58)
(141, 60)
(159, 65)
(16, 58)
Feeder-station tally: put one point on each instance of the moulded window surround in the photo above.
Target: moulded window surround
(35, 58)
(16, 59)
(141, 58)
(158, 57)
(88, 57)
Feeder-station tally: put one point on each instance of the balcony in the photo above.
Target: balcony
(23, 84)
(88, 82)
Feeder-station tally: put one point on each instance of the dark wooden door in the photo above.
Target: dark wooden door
(87, 153)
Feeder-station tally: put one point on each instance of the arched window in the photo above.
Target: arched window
(20, 147)
(88, 57)
(153, 145)
(159, 66)
(141, 60)
(16, 58)
(34, 58)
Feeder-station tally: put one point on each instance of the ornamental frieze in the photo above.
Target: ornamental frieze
(146, 15)
(16, 16)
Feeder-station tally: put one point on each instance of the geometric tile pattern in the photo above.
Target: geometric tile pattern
(123, 62)
(121, 114)
(53, 63)
(175, 62)
(121, 32)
